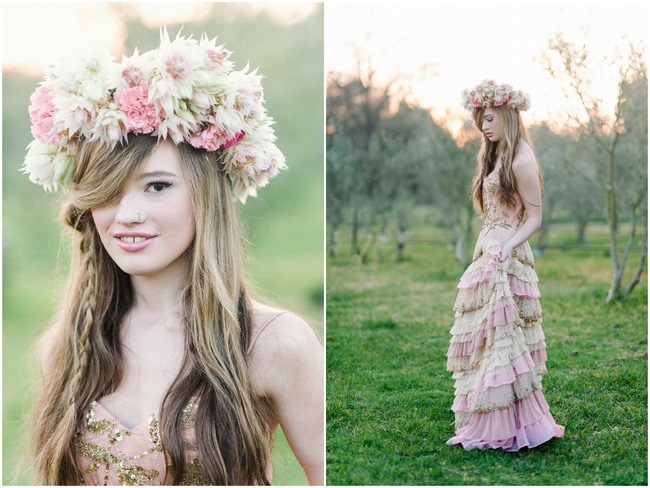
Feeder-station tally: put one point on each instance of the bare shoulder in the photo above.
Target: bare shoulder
(283, 346)
(525, 159)
(275, 329)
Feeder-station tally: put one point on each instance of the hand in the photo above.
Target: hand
(506, 252)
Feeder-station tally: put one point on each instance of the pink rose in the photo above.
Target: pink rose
(214, 137)
(140, 113)
(41, 113)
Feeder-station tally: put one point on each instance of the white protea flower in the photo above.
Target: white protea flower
(111, 125)
(48, 165)
(38, 163)
(64, 167)
(94, 76)
(76, 115)
(136, 68)
(215, 57)
(178, 126)
(246, 94)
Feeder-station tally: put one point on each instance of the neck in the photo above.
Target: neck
(158, 297)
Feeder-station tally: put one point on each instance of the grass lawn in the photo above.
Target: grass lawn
(389, 394)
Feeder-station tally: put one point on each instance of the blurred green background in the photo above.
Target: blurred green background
(284, 224)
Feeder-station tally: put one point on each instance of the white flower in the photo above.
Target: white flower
(111, 125)
(48, 165)
(215, 57)
(75, 115)
(136, 68)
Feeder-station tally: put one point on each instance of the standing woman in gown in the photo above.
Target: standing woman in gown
(161, 368)
(497, 351)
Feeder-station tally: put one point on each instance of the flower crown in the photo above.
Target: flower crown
(490, 94)
(186, 91)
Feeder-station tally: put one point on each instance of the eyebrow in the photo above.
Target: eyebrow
(156, 174)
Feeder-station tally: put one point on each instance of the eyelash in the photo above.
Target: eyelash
(164, 185)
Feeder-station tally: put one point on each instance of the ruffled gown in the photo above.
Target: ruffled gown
(497, 351)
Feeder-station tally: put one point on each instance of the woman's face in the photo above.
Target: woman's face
(492, 126)
(149, 229)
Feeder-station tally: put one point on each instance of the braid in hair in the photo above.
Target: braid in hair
(88, 302)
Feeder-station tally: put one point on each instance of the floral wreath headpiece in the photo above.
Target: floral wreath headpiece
(490, 94)
(186, 91)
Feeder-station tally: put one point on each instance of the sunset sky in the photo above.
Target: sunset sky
(468, 42)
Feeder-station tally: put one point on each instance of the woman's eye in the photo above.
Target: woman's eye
(157, 186)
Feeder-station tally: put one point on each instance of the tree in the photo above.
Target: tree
(616, 176)
(567, 169)
(354, 109)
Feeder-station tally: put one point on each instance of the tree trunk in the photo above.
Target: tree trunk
(401, 242)
(582, 229)
(355, 251)
(332, 244)
(542, 233)
(463, 241)
(612, 218)
(641, 265)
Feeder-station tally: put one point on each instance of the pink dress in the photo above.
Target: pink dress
(497, 351)
(110, 454)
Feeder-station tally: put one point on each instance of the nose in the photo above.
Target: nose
(128, 210)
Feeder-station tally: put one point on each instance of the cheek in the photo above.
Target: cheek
(102, 217)
(184, 217)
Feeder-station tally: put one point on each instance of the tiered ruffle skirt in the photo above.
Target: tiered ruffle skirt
(497, 351)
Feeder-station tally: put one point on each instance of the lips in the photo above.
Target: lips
(133, 241)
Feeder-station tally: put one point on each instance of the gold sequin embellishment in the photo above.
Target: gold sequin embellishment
(109, 451)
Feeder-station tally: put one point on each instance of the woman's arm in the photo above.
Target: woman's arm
(287, 363)
(526, 173)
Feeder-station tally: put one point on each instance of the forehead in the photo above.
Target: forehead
(489, 111)
(164, 157)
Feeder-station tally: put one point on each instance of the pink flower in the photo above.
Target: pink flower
(41, 113)
(214, 137)
(238, 137)
(140, 113)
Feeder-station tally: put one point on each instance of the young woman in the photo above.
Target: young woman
(497, 351)
(161, 369)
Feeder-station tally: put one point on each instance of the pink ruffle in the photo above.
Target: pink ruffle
(482, 275)
(504, 312)
(471, 281)
(527, 423)
(518, 287)
(522, 288)
(504, 375)
(460, 349)
(539, 355)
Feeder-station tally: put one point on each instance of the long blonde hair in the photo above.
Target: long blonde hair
(85, 363)
(513, 132)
